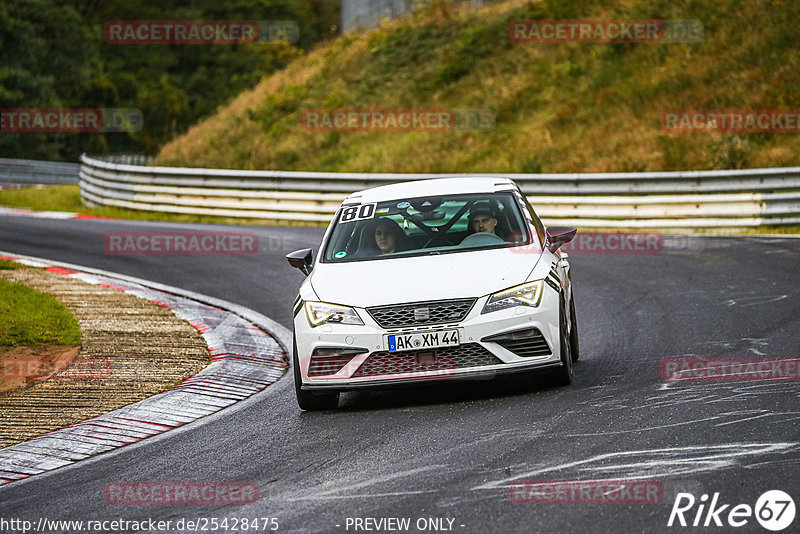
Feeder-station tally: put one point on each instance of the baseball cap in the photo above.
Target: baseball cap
(481, 208)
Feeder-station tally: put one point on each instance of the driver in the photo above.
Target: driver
(482, 219)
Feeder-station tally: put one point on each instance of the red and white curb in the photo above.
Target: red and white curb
(19, 212)
(245, 359)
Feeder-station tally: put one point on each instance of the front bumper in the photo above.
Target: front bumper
(476, 357)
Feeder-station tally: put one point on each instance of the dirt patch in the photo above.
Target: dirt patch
(130, 349)
(21, 367)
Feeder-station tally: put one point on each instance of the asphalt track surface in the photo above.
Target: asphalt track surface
(451, 451)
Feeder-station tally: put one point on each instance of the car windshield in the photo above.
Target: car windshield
(426, 225)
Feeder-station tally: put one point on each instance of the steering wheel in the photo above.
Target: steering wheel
(481, 239)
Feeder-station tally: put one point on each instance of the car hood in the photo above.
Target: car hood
(438, 277)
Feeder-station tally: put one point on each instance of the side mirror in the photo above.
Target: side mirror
(301, 259)
(558, 236)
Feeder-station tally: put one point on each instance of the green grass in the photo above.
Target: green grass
(31, 318)
(789, 229)
(6, 265)
(51, 198)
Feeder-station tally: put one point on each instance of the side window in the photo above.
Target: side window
(346, 242)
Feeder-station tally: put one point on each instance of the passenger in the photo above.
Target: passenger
(389, 236)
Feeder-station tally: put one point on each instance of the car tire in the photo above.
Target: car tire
(563, 375)
(573, 333)
(305, 399)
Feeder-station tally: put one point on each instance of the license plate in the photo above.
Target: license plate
(422, 340)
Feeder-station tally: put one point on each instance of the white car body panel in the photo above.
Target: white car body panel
(440, 186)
(396, 280)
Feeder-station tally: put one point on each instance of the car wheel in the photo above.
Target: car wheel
(573, 334)
(307, 400)
(563, 375)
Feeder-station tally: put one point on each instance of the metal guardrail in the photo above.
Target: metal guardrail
(25, 171)
(127, 159)
(693, 199)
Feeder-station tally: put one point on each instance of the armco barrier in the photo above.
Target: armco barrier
(25, 171)
(692, 199)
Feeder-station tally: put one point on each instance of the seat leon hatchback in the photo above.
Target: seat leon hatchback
(432, 280)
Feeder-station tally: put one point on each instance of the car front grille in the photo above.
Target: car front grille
(444, 360)
(525, 344)
(327, 365)
(421, 313)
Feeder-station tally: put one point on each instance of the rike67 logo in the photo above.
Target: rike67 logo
(774, 510)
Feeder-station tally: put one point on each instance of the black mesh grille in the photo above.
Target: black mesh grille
(535, 345)
(419, 361)
(327, 365)
(405, 315)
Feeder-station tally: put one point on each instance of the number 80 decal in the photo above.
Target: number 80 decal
(358, 213)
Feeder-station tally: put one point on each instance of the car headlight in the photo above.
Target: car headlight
(322, 312)
(528, 294)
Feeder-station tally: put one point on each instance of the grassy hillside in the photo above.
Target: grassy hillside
(561, 107)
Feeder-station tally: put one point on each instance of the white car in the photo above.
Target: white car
(432, 280)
